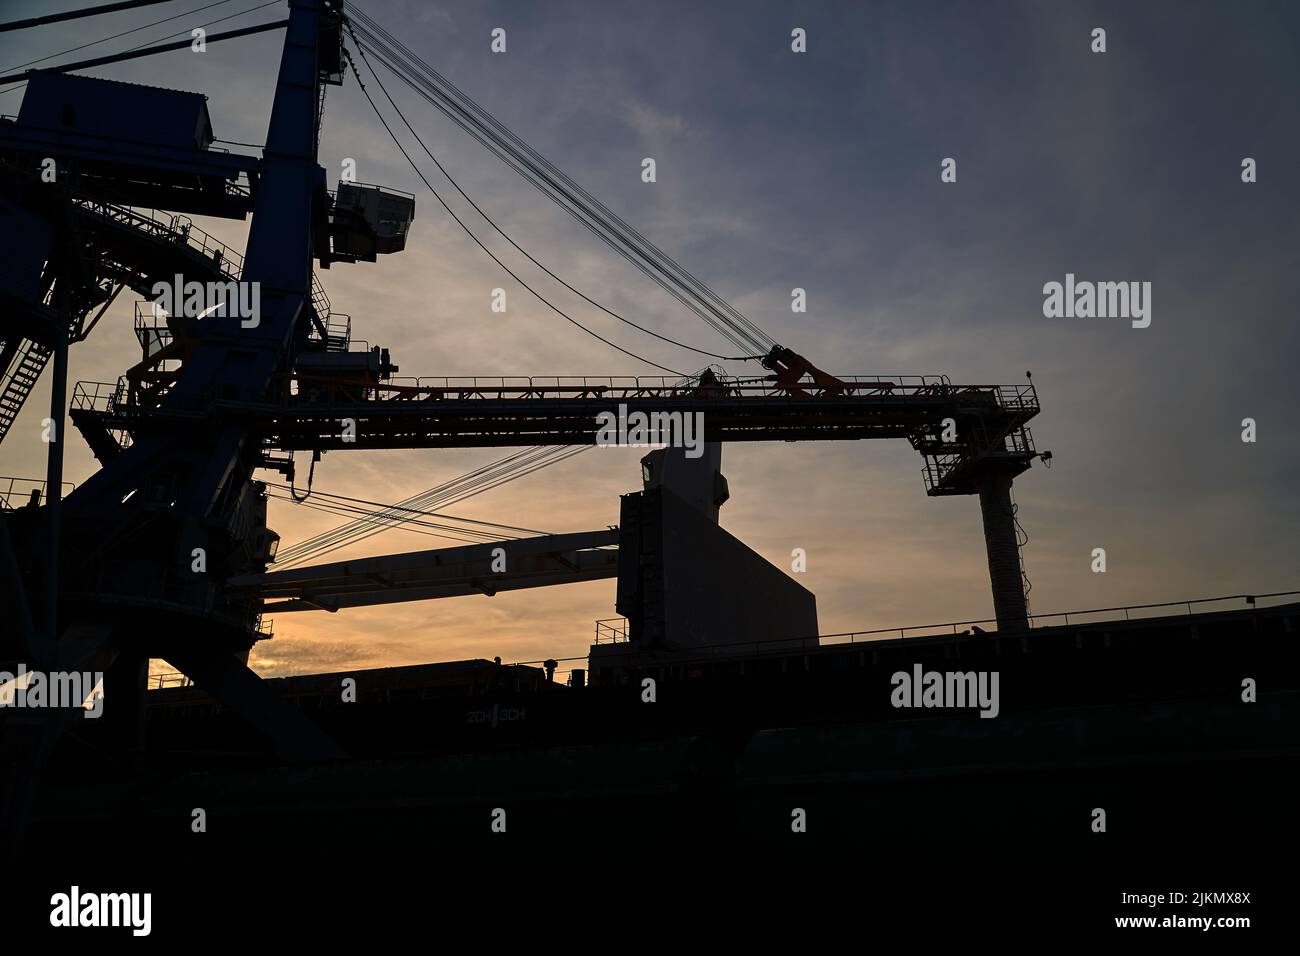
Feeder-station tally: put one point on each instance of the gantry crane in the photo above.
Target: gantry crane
(112, 573)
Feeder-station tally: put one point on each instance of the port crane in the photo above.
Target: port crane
(107, 574)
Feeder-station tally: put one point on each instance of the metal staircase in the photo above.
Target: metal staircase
(203, 254)
(19, 380)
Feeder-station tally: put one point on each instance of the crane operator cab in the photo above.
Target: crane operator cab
(367, 221)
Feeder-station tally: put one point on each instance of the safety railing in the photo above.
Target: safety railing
(176, 228)
(1017, 396)
(1068, 618)
(338, 332)
(151, 328)
(163, 681)
(383, 190)
(1019, 443)
(1172, 609)
(1057, 618)
(99, 396)
(183, 229)
(628, 387)
(19, 492)
(611, 630)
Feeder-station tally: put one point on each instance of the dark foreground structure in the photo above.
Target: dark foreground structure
(1144, 718)
(993, 821)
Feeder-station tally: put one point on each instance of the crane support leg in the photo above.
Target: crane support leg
(1009, 605)
(229, 680)
(30, 736)
(125, 683)
(54, 483)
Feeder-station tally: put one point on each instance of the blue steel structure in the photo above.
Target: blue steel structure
(136, 563)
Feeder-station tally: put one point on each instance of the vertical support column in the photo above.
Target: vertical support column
(54, 486)
(1009, 605)
(125, 684)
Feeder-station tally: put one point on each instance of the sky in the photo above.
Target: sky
(819, 170)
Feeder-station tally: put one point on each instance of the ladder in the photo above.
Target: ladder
(18, 383)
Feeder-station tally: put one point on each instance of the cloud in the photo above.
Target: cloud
(651, 124)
